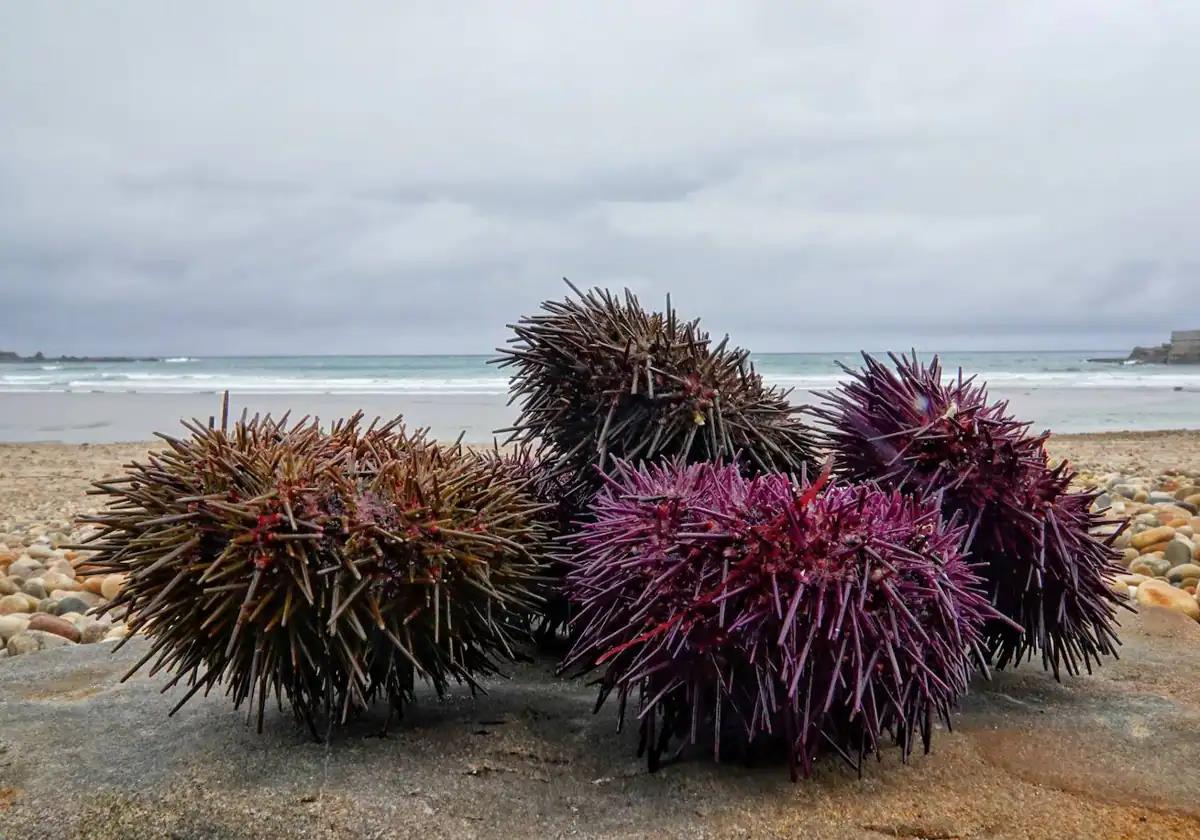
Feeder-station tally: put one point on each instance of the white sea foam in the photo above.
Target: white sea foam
(449, 375)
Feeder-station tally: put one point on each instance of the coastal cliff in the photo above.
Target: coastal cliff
(1182, 349)
(10, 356)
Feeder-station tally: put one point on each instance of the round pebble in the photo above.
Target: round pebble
(72, 603)
(11, 625)
(18, 603)
(1150, 565)
(32, 641)
(1152, 536)
(1158, 593)
(34, 587)
(54, 624)
(57, 580)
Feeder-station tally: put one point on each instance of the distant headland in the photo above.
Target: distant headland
(1182, 349)
(10, 356)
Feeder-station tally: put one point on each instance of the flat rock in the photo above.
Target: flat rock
(1114, 754)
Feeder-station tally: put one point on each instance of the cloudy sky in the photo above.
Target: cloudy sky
(396, 177)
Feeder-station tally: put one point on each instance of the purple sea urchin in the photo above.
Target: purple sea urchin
(910, 429)
(599, 377)
(758, 610)
(328, 568)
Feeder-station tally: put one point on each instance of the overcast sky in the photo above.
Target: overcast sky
(209, 177)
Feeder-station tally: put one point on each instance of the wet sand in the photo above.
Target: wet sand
(108, 418)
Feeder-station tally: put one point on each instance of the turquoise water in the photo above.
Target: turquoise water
(472, 375)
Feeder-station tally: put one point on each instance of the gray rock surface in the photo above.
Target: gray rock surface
(82, 755)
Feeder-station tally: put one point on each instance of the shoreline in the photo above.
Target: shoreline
(100, 417)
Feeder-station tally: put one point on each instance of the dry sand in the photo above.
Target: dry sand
(46, 483)
(1110, 755)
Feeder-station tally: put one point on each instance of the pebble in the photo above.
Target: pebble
(1150, 565)
(25, 568)
(1130, 555)
(1156, 498)
(32, 641)
(34, 587)
(57, 580)
(54, 624)
(92, 630)
(73, 602)
(18, 603)
(1151, 536)
(1178, 551)
(1158, 593)
(112, 586)
(1182, 572)
(9, 586)
(40, 551)
(11, 625)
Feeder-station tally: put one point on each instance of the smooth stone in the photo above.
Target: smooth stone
(93, 585)
(1102, 502)
(1158, 497)
(1178, 552)
(1130, 556)
(21, 644)
(72, 603)
(1131, 579)
(1150, 565)
(92, 630)
(118, 632)
(112, 585)
(11, 625)
(9, 586)
(25, 568)
(1126, 490)
(18, 603)
(1153, 535)
(1186, 490)
(1183, 571)
(1157, 548)
(34, 587)
(54, 624)
(32, 641)
(40, 551)
(1159, 594)
(48, 606)
(57, 580)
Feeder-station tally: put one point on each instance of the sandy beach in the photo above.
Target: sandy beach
(44, 485)
(116, 417)
(532, 756)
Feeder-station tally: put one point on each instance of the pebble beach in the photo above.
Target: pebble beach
(1150, 483)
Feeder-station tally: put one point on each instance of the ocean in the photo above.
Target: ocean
(471, 374)
(116, 401)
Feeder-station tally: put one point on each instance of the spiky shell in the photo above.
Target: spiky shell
(908, 427)
(599, 377)
(328, 568)
(759, 609)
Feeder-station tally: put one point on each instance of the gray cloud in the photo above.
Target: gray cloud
(210, 178)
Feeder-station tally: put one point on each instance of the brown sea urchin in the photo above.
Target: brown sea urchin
(329, 568)
(599, 377)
